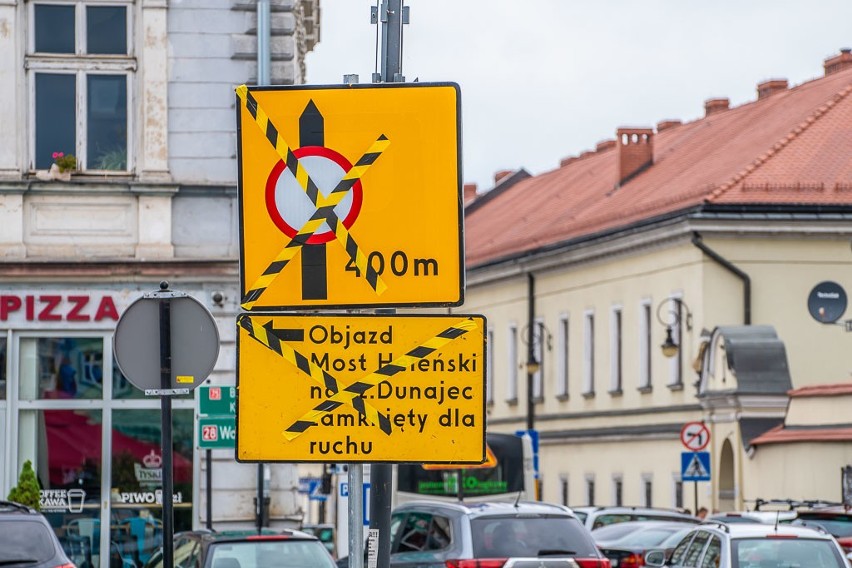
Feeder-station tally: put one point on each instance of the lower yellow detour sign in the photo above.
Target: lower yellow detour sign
(361, 388)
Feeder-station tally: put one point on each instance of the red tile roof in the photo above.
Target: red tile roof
(821, 390)
(793, 147)
(779, 435)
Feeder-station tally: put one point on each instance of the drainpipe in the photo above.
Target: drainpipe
(727, 265)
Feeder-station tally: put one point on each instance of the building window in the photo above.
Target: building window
(645, 346)
(648, 490)
(563, 481)
(589, 354)
(617, 491)
(489, 368)
(678, 493)
(615, 346)
(590, 490)
(512, 369)
(562, 358)
(81, 67)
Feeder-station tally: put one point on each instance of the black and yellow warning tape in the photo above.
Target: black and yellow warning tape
(325, 206)
(292, 248)
(353, 394)
(265, 335)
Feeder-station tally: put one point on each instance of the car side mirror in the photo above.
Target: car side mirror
(655, 558)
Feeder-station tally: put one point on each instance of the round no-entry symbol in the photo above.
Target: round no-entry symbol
(695, 436)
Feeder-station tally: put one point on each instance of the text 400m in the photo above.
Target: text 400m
(398, 263)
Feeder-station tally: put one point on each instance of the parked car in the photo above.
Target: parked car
(835, 520)
(743, 545)
(630, 549)
(431, 534)
(767, 517)
(27, 539)
(246, 549)
(595, 517)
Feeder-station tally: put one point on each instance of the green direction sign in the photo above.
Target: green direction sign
(217, 432)
(218, 401)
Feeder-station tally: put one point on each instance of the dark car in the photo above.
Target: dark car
(596, 517)
(244, 549)
(27, 539)
(630, 549)
(836, 521)
(432, 534)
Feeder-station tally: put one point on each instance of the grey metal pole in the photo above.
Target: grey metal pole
(166, 427)
(392, 21)
(209, 489)
(381, 485)
(264, 60)
(356, 513)
(264, 67)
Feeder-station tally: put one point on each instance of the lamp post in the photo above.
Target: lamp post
(675, 315)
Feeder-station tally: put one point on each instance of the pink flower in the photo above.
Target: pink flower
(55, 155)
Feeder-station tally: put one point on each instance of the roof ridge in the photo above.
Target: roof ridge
(821, 111)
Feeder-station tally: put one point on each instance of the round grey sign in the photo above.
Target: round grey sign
(194, 341)
(827, 302)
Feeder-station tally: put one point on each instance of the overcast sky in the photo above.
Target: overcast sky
(545, 79)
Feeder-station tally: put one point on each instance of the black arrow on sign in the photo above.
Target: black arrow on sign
(314, 262)
(284, 334)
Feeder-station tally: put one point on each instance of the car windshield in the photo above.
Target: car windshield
(785, 553)
(28, 541)
(608, 519)
(269, 553)
(647, 537)
(518, 537)
(673, 539)
(838, 525)
(612, 533)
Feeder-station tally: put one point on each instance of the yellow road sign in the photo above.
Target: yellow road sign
(361, 388)
(350, 196)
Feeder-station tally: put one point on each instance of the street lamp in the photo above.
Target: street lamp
(673, 318)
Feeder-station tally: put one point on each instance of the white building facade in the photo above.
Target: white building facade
(141, 93)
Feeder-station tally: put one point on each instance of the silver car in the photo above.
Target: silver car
(742, 545)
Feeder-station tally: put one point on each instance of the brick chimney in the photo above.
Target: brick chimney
(771, 87)
(666, 124)
(712, 106)
(469, 192)
(501, 174)
(635, 151)
(838, 62)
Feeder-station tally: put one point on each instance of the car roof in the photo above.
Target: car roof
(11, 507)
(244, 535)
(487, 508)
(629, 510)
(757, 530)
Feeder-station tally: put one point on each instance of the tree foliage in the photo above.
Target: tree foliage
(27, 492)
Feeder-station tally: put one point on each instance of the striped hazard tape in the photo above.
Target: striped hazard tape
(265, 334)
(353, 394)
(325, 205)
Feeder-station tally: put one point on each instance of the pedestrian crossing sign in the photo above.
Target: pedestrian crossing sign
(695, 466)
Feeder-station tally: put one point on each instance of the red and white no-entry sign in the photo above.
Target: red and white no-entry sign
(695, 436)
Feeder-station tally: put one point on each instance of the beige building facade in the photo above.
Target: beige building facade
(715, 233)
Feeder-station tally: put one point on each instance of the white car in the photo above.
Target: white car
(742, 545)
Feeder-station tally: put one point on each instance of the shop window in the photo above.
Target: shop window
(65, 448)
(81, 100)
(137, 470)
(61, 368)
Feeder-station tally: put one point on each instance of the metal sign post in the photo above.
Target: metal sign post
(166, 343)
